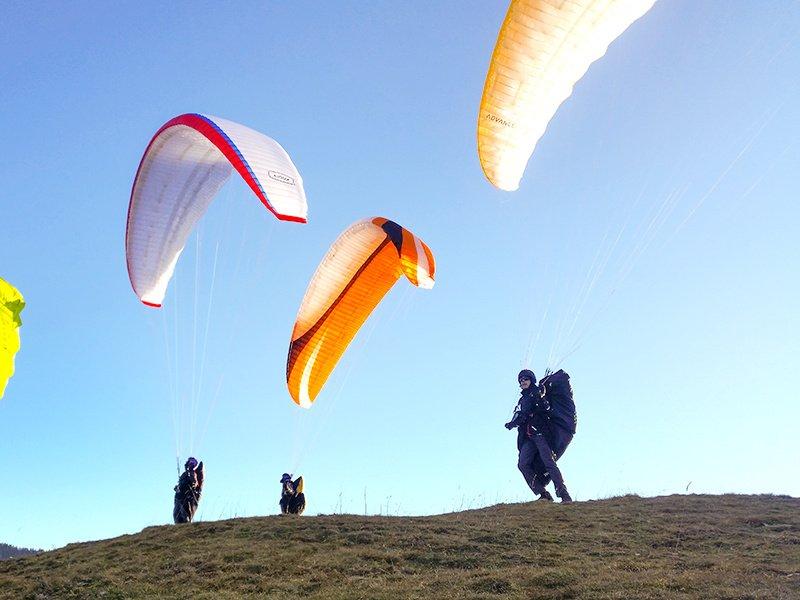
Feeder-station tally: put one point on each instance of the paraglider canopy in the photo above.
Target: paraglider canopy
(186, 163)
(543, 49)
(359, 269)
(11, 305)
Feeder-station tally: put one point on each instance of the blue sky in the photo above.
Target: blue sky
(688, 341)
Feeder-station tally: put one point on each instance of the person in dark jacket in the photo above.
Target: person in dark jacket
(293, 501)
(188, 491)
(532, 420)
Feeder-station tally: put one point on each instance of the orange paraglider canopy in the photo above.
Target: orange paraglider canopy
(361, 266)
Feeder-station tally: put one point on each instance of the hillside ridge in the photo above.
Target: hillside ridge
(692, 546)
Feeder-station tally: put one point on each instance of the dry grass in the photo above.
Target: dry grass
(722, 547)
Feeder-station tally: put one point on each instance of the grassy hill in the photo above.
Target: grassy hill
(726, 547)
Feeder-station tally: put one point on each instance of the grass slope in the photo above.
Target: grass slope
(726, 547)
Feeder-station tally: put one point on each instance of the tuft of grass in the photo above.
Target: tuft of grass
(684, 547)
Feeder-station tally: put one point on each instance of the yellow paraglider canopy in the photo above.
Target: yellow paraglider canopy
(11, 305)
(543, 49)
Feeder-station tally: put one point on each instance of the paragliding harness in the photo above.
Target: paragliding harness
(188, 491)
(557, 390)
(293, 501)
